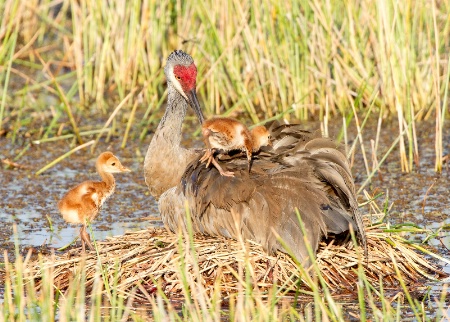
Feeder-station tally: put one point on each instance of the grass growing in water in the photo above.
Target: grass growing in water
(257, 58)
(178, 278)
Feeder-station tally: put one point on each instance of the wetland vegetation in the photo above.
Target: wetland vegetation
(80, 77)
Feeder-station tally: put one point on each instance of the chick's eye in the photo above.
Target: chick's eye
(113, 164)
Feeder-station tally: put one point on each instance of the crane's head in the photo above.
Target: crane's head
(181, 71)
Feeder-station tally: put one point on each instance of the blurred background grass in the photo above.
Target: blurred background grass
(65, 64)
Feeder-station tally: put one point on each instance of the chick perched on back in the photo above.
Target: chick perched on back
(261, 137)
(227, 134)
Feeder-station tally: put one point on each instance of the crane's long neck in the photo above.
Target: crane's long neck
(169, 128)
(166, 160)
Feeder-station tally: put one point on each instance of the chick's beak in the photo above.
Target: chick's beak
(124, 169)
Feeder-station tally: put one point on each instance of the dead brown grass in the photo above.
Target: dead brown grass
(153, 258)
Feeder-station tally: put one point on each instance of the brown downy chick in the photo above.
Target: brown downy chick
(260, 137)
(83, 202)
(226, 134)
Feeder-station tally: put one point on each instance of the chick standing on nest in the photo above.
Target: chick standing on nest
(83, 203)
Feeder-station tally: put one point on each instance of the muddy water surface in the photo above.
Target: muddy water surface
(29, 201)
(421, 197)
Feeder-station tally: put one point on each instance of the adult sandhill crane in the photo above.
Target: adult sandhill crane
(302, 170)
(166, 161)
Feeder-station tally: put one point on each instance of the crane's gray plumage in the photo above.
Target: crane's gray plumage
(166, 160)
(302, 170)
(177, 57)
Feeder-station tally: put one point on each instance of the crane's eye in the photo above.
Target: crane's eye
(177, 77)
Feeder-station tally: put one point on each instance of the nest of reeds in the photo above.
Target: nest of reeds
(150, 259)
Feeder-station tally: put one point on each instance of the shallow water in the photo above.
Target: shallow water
(30, 201)
(421, 196)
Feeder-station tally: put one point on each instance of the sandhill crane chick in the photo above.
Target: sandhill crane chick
(82, 203)
(260, 137)
(227, 134)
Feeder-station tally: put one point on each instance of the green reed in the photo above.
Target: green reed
(256, 59)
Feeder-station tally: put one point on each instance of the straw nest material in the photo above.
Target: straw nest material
(153, 257)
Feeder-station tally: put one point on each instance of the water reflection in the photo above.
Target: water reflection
(31, 202)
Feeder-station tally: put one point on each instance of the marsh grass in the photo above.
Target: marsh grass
(62, 62)
(255, 59)
(198, 285)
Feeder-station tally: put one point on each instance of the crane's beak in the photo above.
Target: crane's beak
(193, 101)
